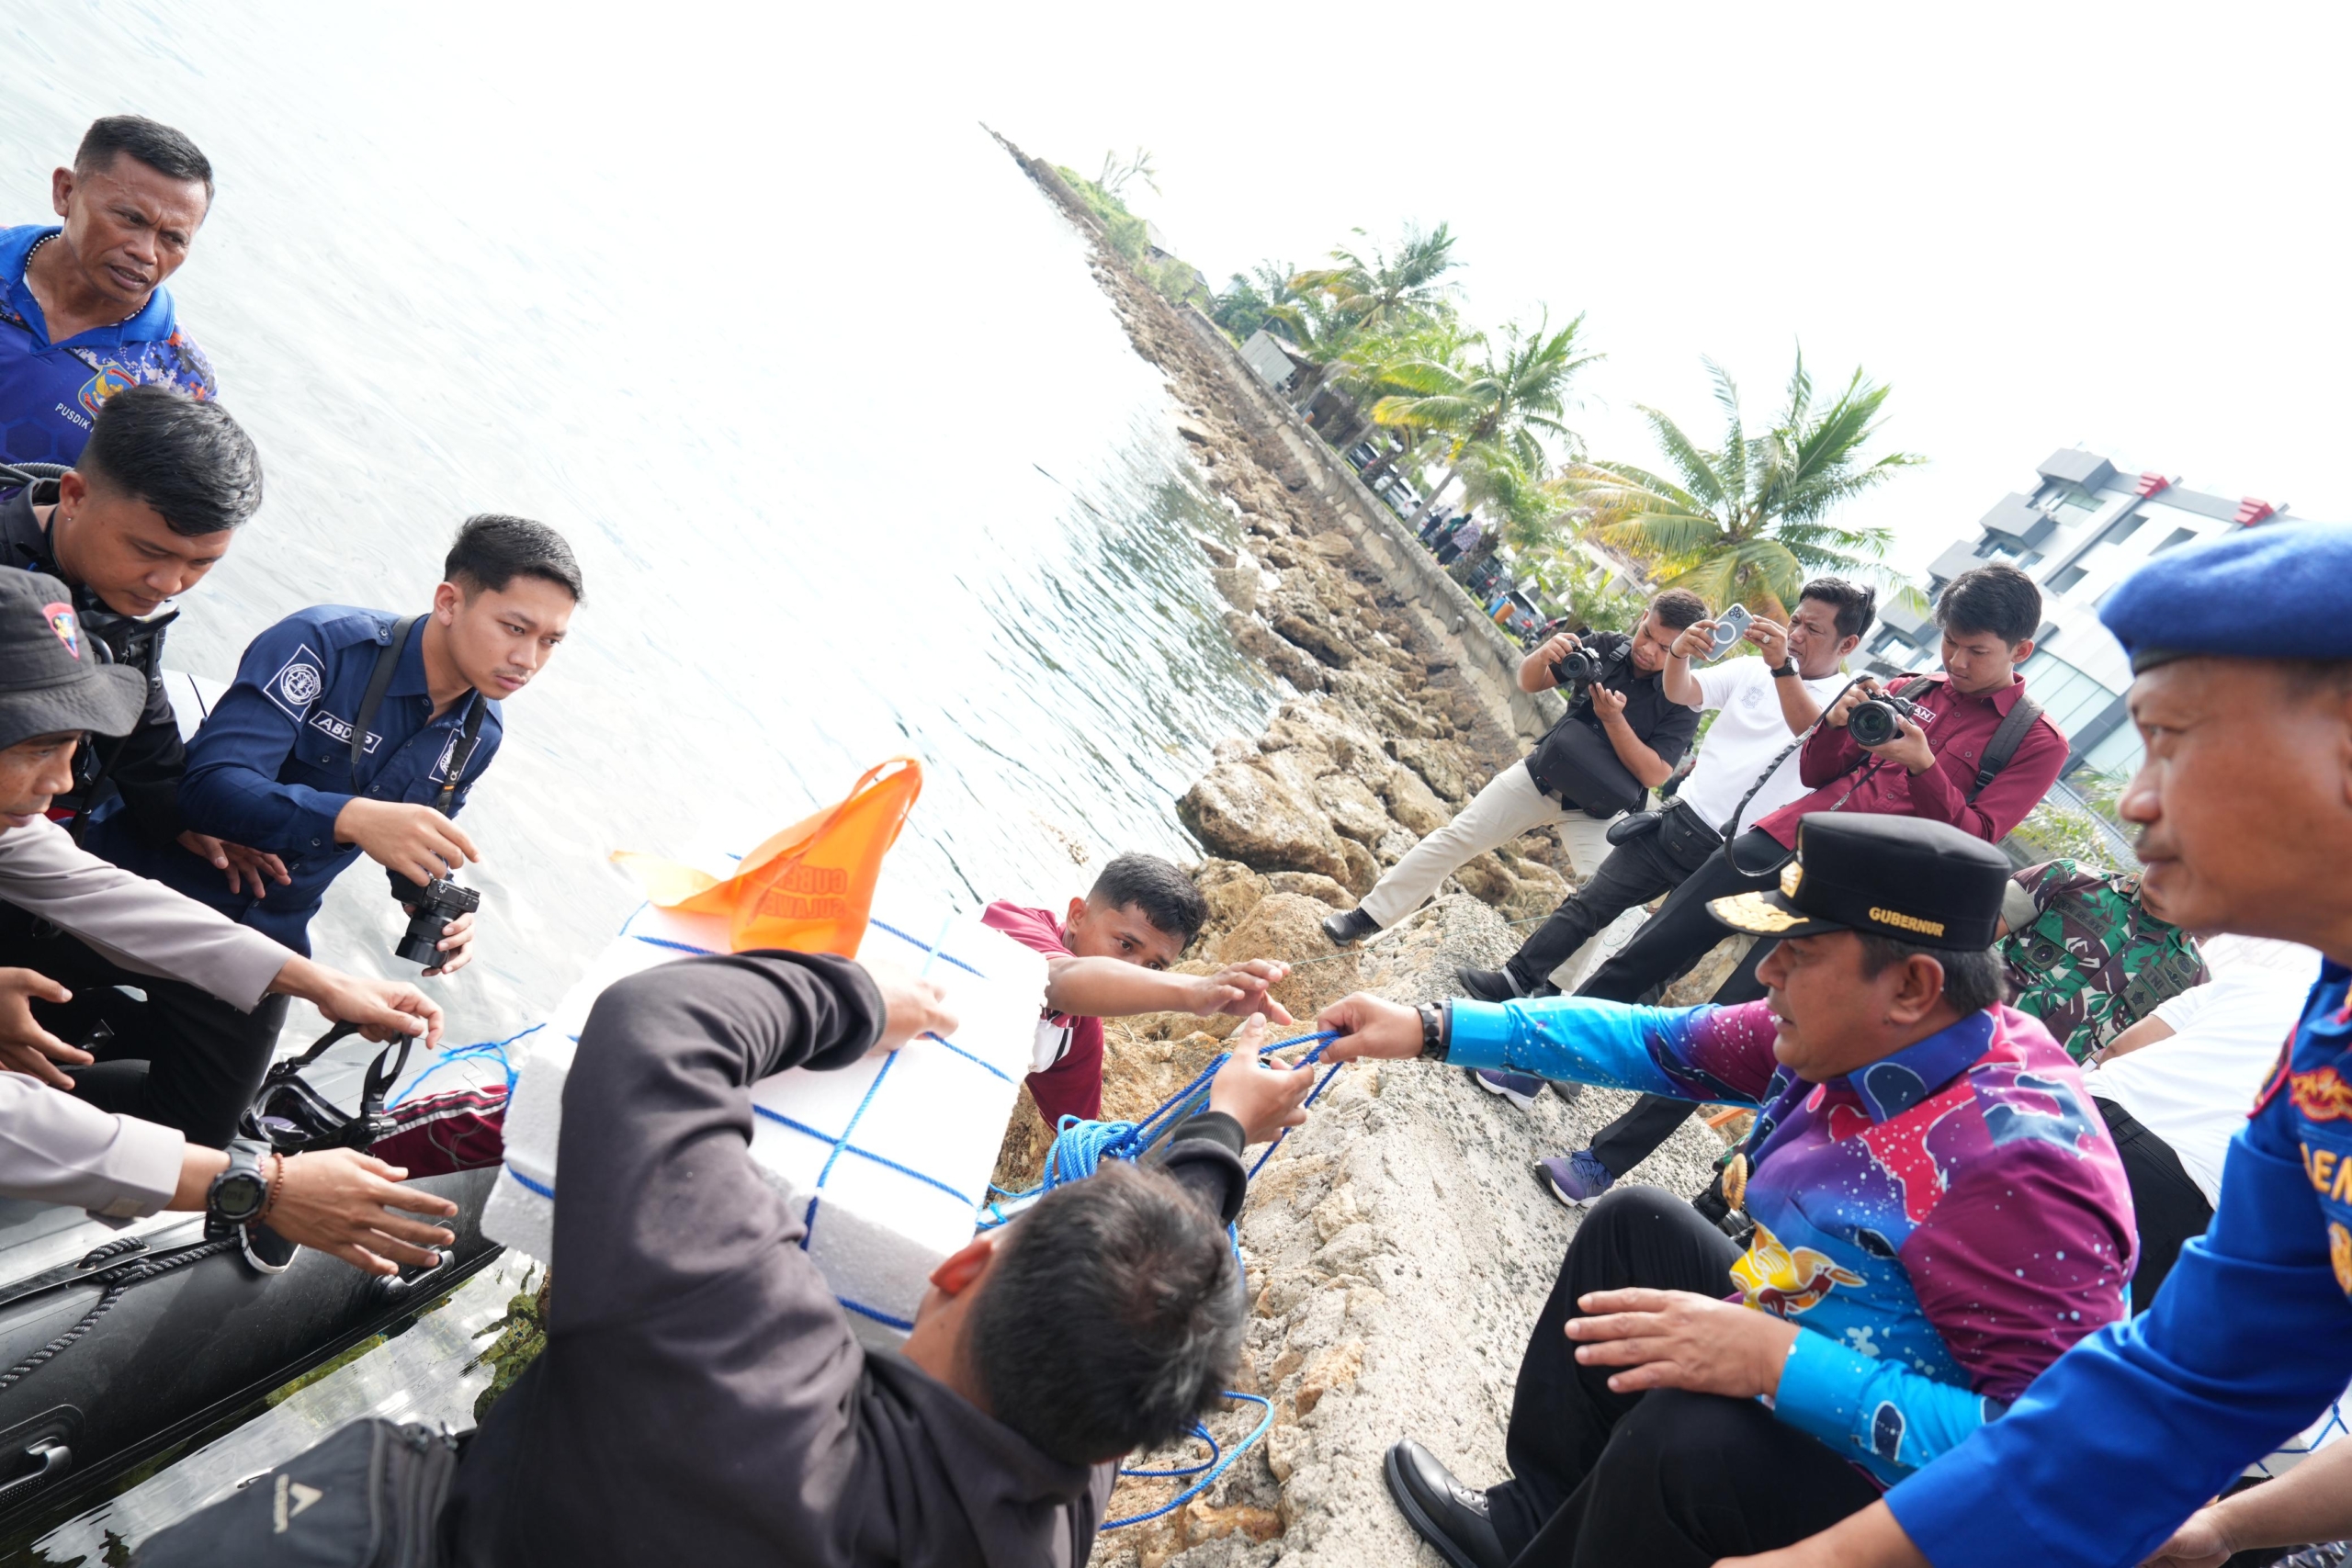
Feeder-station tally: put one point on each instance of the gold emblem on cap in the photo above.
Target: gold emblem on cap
(1749, 912)
(1907, 922)
(1792, 878)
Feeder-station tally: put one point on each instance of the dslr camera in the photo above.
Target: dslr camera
(1580, 668)
(439, 902)
(1879, 720)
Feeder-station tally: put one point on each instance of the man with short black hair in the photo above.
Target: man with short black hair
(1619, 739)
(1991, 757)
(83, 312)
(1936, 1214)
(703, 1398)
(150, 506)
(350, 732)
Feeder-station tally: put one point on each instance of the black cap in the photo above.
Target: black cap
(51, 679)
(1925, 882)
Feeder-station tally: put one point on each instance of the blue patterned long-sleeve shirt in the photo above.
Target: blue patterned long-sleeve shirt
(1940, 1225)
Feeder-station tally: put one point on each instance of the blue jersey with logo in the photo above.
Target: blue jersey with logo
(272, 765)
(2249, 1340)
(51, 391)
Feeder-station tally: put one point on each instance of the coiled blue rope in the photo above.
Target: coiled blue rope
(1216, 1468)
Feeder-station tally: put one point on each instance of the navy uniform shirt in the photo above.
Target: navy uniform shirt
(272, 766)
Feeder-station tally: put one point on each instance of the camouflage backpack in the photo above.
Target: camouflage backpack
(2094, 961)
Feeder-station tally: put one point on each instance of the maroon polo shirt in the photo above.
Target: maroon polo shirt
(1846, 778)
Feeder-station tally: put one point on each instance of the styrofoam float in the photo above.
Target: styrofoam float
(888, 1160)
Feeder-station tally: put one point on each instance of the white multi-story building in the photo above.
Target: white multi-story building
(2081, 530)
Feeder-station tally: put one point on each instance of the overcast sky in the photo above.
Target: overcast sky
(2122, 226)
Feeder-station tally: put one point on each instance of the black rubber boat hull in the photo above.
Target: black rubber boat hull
(179, 1351)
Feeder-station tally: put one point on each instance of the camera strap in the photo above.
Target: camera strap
(380, 680)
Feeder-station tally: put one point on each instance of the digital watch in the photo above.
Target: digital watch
(238, 1194)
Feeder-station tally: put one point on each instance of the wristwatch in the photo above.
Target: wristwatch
(1436, 1034)
(238, 1194)
(1785, 671)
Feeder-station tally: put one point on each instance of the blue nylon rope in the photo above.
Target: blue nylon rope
(494, 1050)
(1215, 1470)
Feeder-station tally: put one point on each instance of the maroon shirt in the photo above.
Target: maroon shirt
(1958, 728)
(1073, 1085)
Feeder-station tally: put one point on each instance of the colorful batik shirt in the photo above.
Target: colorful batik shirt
(1942, 1224)
(2094, 961)
(50, 392)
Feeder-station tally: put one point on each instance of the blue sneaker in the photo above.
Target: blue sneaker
(1520, 1088)
(1577, 1179)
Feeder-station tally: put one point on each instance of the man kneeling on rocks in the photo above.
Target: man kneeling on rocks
(1938, 1214)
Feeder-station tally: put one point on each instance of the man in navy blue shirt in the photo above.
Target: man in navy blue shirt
(83, 312)
(351, 732)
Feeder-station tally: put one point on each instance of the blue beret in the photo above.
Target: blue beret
(2280, 591)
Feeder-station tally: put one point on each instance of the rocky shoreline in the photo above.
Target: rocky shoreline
(1398, 1248)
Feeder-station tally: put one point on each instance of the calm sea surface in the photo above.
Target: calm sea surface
(857, 460)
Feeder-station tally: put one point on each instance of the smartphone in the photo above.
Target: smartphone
(1730, 626)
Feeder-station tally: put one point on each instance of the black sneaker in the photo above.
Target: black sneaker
(1348, 927)
(1490, 984)
(1449, 1516)
(268, 1251)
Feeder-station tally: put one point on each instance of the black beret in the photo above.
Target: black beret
(2283, 591)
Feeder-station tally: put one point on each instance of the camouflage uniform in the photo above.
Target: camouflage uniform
(2094, 961)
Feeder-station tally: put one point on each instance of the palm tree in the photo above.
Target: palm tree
(1365, 372)
(1747, 521)
(1508, 403)
(1378, 292)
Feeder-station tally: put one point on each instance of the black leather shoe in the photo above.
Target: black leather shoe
(1448, 1515)
(1348, 927)
(1489, 985)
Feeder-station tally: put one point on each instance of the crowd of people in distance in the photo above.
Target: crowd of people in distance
(2003, 1270)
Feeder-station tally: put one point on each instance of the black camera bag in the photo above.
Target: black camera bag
(369, 1496)
(1575, 765)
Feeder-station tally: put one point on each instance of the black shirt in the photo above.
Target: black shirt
(1657, 721)
(144, 766)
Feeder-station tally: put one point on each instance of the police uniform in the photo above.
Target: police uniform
(2089, 959)
(274, 762)
(2251, 1336)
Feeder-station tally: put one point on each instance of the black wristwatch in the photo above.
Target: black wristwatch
(237, 1195)
(1785, 671)
(1435, 1034)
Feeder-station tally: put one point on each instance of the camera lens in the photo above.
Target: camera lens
(1872, 724)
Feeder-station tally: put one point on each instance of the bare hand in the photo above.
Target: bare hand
(1242, 990)
(242, 865)
(2199, 1544)
(384, 1009)
(415, 840)
(1370, 1026)
(910, 1007)
(1558, 646)
(456, 943)
(1681, 1339)
(341, 1202)
(1772, 639)
(25, 1046)
(1849, 700)
(1607, 704)
(1910, 747)
(1264, 1097)
(1697, 641)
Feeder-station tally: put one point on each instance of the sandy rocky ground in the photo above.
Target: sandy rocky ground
(1399, 1246)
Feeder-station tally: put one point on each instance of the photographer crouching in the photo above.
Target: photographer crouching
(1620, 739)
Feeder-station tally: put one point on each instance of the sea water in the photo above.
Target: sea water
(856, 458)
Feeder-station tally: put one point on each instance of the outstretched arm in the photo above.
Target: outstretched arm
(1111, 987)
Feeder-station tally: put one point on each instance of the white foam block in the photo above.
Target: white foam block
(887, 1161)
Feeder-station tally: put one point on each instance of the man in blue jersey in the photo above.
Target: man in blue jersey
(84, 311)
(2242, 653)
(351, 732)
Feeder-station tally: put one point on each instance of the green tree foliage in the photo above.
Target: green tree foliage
(1247, 302)
(1748, 519)
(1516, 394)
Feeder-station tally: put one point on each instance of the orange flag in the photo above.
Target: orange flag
(808, 889)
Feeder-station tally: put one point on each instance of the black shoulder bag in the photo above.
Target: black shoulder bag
(1575, 765)
(369, 1496)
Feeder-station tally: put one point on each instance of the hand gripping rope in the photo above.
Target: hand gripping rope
(1079, 1150)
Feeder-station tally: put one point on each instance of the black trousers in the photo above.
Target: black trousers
(1629, 1140)
(2168, 1206)
(1660, 1480)
(1632, 872)
(1680, 934)
(183, 1057)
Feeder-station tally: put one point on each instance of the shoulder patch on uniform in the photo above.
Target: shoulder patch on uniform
(298, 683)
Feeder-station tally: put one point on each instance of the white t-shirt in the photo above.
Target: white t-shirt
(1748, 732)
(2194, 1089)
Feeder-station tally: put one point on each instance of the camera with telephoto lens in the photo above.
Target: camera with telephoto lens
(440, 902)
(1880, 719)
(1580, 668)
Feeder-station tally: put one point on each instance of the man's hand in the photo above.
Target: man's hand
(2202, 1543)
(1772, 639)
(1910, 747)
(1609, 706)
(1698, 641)
(415, 840)
(1558, 645)
(1240, 989)
(341, 1202)
(1370, 1026)
(25, 1046)
(242, 865)
(1264, 1097)
(1868, 1540)
(456, 945)
(1849, 700)
(384, 1009)
(1681, 1339)
(910, 1007)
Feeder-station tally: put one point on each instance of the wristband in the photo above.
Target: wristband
(277, 1181)
(1435, 1031)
